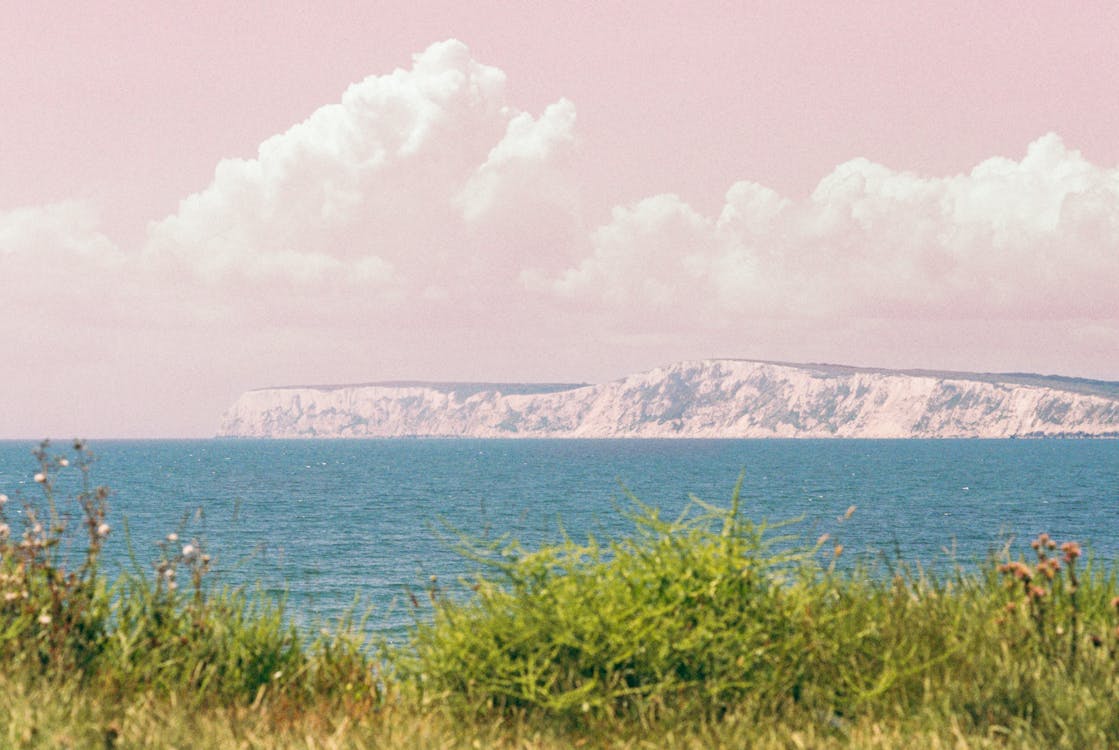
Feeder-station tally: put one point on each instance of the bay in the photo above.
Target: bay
(324, 521)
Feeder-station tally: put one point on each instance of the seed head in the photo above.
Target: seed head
(40, 477)
(172, 537)
(1071, 550)
(3, 499)
(188, 551)
(103, 530)
(63, 462)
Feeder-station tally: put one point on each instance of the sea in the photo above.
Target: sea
(361, 526)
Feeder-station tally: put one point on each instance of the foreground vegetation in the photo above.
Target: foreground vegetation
(705, 630)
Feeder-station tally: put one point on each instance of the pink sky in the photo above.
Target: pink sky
(203, 200)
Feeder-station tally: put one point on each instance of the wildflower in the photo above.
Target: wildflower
(64, 462)
(3, 499)
(103, 530)
(10, 596)
(1115, 602)
(1037, 592)
(188, 551)
(40, 478)
(172, 537)
(1020, 570)
(838, 550)
(1071, 550)
(5, 529)
(44, 619)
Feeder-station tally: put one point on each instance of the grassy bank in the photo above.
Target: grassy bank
(704, 630)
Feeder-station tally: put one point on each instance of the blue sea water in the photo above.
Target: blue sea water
(324, 521)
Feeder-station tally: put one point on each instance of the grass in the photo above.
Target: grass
(704, 630)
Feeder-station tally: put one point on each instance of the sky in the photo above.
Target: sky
(201, 199)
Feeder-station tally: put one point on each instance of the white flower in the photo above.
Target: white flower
(103, 530)
(63, 462)
(188, 551)
(5, 529)
(172, 537)
(44, 619)
(40, 477)
(3, 499)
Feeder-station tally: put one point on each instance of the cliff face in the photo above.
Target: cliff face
(702, 399)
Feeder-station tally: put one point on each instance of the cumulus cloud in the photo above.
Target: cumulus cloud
(427, 189)
(515, 163)
(377, 195)
(55, 256)
(1036, 238)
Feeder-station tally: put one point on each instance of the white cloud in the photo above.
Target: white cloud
(1031, 239)
(55, 256)
(512, 170)
(379, 195)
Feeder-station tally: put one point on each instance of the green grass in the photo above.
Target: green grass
(705, 630)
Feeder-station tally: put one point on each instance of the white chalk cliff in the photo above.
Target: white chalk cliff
(700, 399)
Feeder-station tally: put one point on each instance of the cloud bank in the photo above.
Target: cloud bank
(1031, 239)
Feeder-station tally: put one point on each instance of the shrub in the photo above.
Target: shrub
(709, 614)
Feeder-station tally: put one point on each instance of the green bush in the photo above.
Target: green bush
(708, 614)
